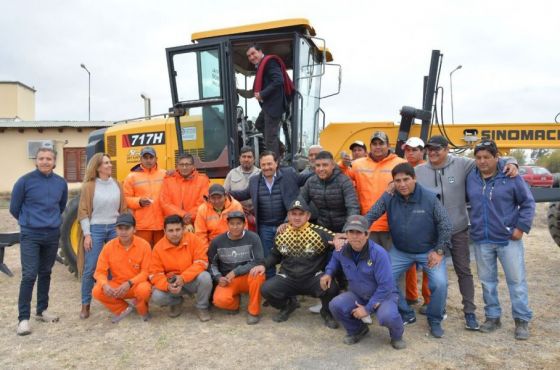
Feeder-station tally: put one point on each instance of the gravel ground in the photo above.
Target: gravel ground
(301, 342)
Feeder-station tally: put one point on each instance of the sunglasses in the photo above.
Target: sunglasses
(485, 144)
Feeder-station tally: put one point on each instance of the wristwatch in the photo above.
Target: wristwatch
(439, 251)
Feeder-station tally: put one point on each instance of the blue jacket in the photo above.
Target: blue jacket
(371, 278)
(498, 206)
(417, 224)
(286, 178)
(38, 200)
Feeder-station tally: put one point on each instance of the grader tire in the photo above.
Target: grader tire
(553, 217)
(69, 235)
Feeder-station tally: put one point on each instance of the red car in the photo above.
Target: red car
(537, 176)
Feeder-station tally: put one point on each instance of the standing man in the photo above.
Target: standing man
(142, 188)
(358, 149)
(122, 272)
(211, 217)
(446, 175)
(414, 153)
(38, 200)
(502, 209)
(311, 156)
(420, 229)
(272, 88)
(232, 255)
(238, 178)
(372, 175)
(271, 193)
(184, 191)
(302, 251)
(178, 267)
(371, 286)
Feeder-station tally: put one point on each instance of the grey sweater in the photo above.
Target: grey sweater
(239, 255)
(106, 203)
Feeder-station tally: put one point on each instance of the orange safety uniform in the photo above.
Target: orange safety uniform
(187, 259)
(412, 279)
(227, 297)
(145, 183)
(209, 224)
(180, 196)
(125, 264)
(371, 180)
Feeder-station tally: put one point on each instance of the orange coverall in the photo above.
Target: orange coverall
(209, 224)
(180, 196)
(125, 263)
(227, 297)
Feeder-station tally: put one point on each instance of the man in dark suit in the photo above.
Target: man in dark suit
(272, 85)
(271, 192)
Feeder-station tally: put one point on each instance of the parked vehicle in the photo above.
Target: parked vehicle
(537, 176)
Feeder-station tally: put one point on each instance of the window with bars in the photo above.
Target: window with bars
(74, 164)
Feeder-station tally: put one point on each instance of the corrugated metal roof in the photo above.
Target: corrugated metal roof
(53, 124)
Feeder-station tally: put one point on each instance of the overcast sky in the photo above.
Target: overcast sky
(509, 50)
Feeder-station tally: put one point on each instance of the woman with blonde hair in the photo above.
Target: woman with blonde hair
(101, 201)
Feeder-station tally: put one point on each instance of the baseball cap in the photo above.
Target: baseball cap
(236, 214)
(148, 150)
(356, 222)
(381, 136)
(216, 189)
(414, 142)
(358, 143)
(437, 141)
(299, 204)
(126, 219)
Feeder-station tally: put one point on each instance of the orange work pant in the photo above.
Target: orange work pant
(412, 285)
(227, 297)
(151, 236)
(141, 292)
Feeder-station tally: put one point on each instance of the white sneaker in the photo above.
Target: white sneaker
(316, 308)
(367, 320)
(46, 316)
(23, 328)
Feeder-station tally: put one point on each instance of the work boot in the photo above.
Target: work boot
(203, 314)
(23, 328)
(330, 322)
(285, 312)
(253, 319)
(176, 309)
(353, 339)
(521, 329)
(398, 343)
(46, 316)
(490, 325)
(84, 313)
(116, 318)
(146, 317)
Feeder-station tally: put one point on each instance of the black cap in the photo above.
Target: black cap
(299, 204)
(437, 141)
(358, 143)
(236, 214)
(126, 219)
(380, 135)
(356, 222)
(148, 150)
(216, 189)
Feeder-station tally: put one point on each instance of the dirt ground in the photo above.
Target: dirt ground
(302, 342)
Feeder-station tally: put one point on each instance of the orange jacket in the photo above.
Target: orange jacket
(179, 195)
(209, 224)
(371, 179)
(187, 259)
(145, 183)
(125, 264)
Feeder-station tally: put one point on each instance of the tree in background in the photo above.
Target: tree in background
(518, 154)
(550, 161)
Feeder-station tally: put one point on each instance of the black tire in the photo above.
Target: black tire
(553, 217)
(67, 250)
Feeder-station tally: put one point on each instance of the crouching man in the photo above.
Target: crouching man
(179, 263)
(371, 288)
(127, 258)
(232, 255)
(302, 251)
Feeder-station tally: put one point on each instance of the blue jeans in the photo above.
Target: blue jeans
(437, 278)
(267, 234)
(100, 234)
(38, 253)
(512, 259)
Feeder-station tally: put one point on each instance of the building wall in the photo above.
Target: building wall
(15, 161)
(17, 101)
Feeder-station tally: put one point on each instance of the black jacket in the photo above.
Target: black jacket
(272, 93)
(334, 198)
